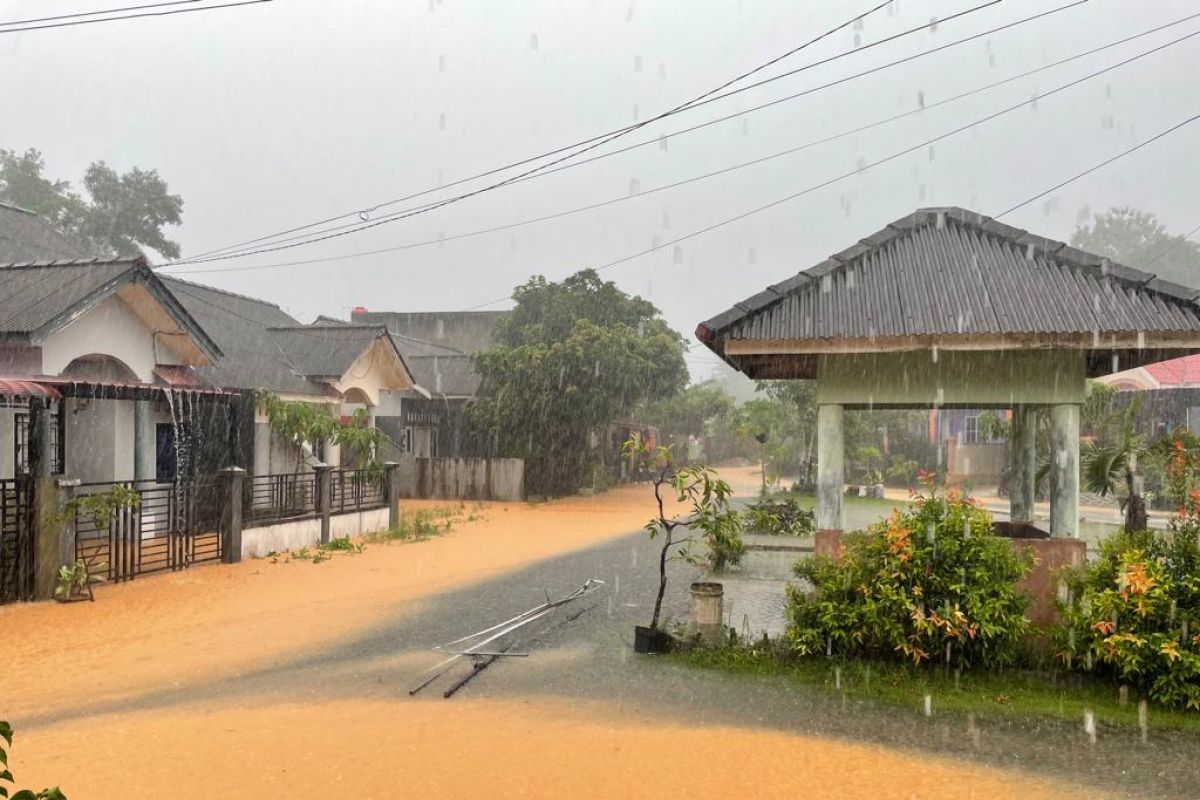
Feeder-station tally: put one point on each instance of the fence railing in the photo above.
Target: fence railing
(267, 499)
(357, 490)
(171, 528)
(16, 540)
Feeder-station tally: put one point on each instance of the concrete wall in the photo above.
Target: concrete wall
(976, 379)
(92, 428)
(272, 455)
(112, 329)
(257, 542)
(462, 478)
(975, 463)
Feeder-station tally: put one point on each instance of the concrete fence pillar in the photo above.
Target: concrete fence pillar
(1064, 470)
(231, 516)
(144, 444)
(324, 499)
(1022, 489)
(392, 487)
(831, 477)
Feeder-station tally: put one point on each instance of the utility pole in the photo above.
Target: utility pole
(761, 438)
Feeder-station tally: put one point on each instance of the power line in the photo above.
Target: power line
(1102, 164)
(356, 226)
(760, 160)
(140, 15)
(1163, 253)
(96, 13)
(858, 171)
(584, 145)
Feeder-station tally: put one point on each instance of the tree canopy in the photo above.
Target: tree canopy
(569, 359)
(1137, 239)
(119, 215)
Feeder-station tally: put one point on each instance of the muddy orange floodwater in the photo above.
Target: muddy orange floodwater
(171, 631)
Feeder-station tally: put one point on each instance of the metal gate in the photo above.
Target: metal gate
(16, 539)
(172, 528)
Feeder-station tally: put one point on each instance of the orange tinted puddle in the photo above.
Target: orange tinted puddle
(538, 748)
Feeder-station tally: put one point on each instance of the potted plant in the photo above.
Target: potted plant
(717, 524)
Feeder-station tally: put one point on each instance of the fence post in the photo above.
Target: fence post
(324, 499)
(67, 488)
(44, 511)
(231, 515)
(393, 493)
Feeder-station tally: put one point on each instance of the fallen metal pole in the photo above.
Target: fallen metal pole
(498, 631)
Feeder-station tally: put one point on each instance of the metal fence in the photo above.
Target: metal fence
(171, 528)
(288, 497)
(357, 490)
(16, 540)
(268, 499)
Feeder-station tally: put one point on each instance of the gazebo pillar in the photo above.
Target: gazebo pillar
(1064, 470)
(831, 478)
(1023, 460)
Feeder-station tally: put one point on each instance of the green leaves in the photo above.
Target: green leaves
(6, 733)
(570, 359)
(1131, 614)
(912, 584)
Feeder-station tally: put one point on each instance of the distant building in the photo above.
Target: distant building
(439, 348)
(1169, 393)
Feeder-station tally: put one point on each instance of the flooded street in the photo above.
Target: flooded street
(308, 708)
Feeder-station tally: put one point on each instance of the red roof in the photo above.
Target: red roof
(21, 388)
(1176, 373)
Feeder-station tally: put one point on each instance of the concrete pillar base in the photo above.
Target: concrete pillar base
(828, 543)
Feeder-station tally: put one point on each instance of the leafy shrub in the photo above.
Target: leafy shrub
(6, 733)
(932, 582)
(1133, 614)
(786, 518)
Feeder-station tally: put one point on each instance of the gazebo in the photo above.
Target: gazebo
(948, 308)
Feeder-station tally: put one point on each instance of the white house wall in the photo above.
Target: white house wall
(111, 329)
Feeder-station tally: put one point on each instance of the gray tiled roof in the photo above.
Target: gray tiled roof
(33, 296)
(325, 350)
(26, 237)
(39, 298)
(464, 331)
(453, 375)
(951, 272)
(241, 327)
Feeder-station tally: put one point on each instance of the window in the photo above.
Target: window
(405, 440)
(971, 429)
(58, 451)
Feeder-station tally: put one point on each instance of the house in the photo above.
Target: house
(439, 347)
(110, 356)
(347, 367)
(1168, 393)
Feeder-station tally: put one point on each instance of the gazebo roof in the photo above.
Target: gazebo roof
(954, 279)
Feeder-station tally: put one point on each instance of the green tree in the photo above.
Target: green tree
(121, 214)
(1137, 239)
(570, 358)
(701, 410)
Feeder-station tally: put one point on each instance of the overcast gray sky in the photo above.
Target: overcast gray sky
(275, 115)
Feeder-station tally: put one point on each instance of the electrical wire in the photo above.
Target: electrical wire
(1101, 165)
(141, 15)
(725, 170)
(1163, 253)
(96, 13)
(861, 169)
(356, 226)
(585, 146)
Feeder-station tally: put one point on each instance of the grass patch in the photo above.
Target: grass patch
(428, 523)
(1005, 695)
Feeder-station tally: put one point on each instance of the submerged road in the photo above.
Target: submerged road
(584, 652)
